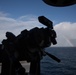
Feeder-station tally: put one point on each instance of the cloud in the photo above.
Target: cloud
(2, 14)
(17, 25)
(28, 17)
(67, 29)
(65, 32)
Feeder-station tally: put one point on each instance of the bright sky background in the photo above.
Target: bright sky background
(16, 15)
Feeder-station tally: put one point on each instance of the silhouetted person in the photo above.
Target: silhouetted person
(10, 64)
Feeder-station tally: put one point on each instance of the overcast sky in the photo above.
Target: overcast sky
(16, 15)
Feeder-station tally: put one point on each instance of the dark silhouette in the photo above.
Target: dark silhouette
(29, 46)
(60, 3)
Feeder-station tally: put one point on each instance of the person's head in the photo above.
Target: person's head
(10, 35)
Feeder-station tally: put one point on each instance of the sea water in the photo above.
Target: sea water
(67, 66)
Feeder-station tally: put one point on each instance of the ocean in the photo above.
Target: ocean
(67, 66)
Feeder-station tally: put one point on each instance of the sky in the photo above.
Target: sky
(16, 15)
